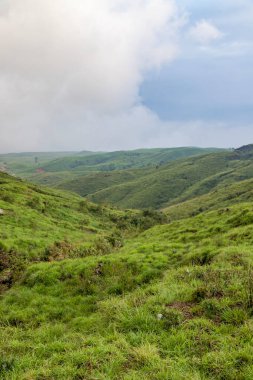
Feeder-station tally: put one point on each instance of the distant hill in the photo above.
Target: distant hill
(222, 196)
(91, 173)
(28, 162)
(42, 167)
(91, 183)
(178, 181)
(123, 159)
(151, 182)
(245, 150)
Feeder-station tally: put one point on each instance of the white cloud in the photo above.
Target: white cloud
(202, 133)
(70, 74)
(72, 70)
(229, 49)
(139, 127)
(205, 32)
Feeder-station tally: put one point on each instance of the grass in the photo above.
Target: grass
(54, 168)
(174, 302)
(108, 161)
(35, 218)
(23, 163)
(152, 178)
(221, 196)
(156, 178)
(40, 224)
(178, 181)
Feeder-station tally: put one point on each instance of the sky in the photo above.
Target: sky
(125, 74)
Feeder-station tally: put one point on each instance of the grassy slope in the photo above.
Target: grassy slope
(178, 181)
(175, 303)
(35, 218)
(21, 163)
(107, 172)
(91, 183)
(123, 159)
(221, 196)
(62, 168)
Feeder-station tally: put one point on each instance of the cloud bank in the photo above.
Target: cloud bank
(205, 32)
(70, 72)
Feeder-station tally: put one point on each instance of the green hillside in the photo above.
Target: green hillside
(52, 169)
(179, 181)
(174, 302)
(23, 163)
(123, 159)
(91, 183)
(43, 224)
(221, 196)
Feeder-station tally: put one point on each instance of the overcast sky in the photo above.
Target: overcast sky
(124, 74)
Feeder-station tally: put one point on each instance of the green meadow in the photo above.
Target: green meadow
(94, 292)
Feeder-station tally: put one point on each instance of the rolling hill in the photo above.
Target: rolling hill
(222, 196)
(178, 181)
(172, 302)
(51, 168)
(23, 163)
(41, 224)
(123, 159)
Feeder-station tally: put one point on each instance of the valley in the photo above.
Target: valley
(148, 277)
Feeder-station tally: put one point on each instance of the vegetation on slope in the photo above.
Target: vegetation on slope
(93, 297)
(179, 181)
(176, 302)
(221, 196)
(43, 224)
(91, 183)
(53, 168)
(21, 163)
(123, 159)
